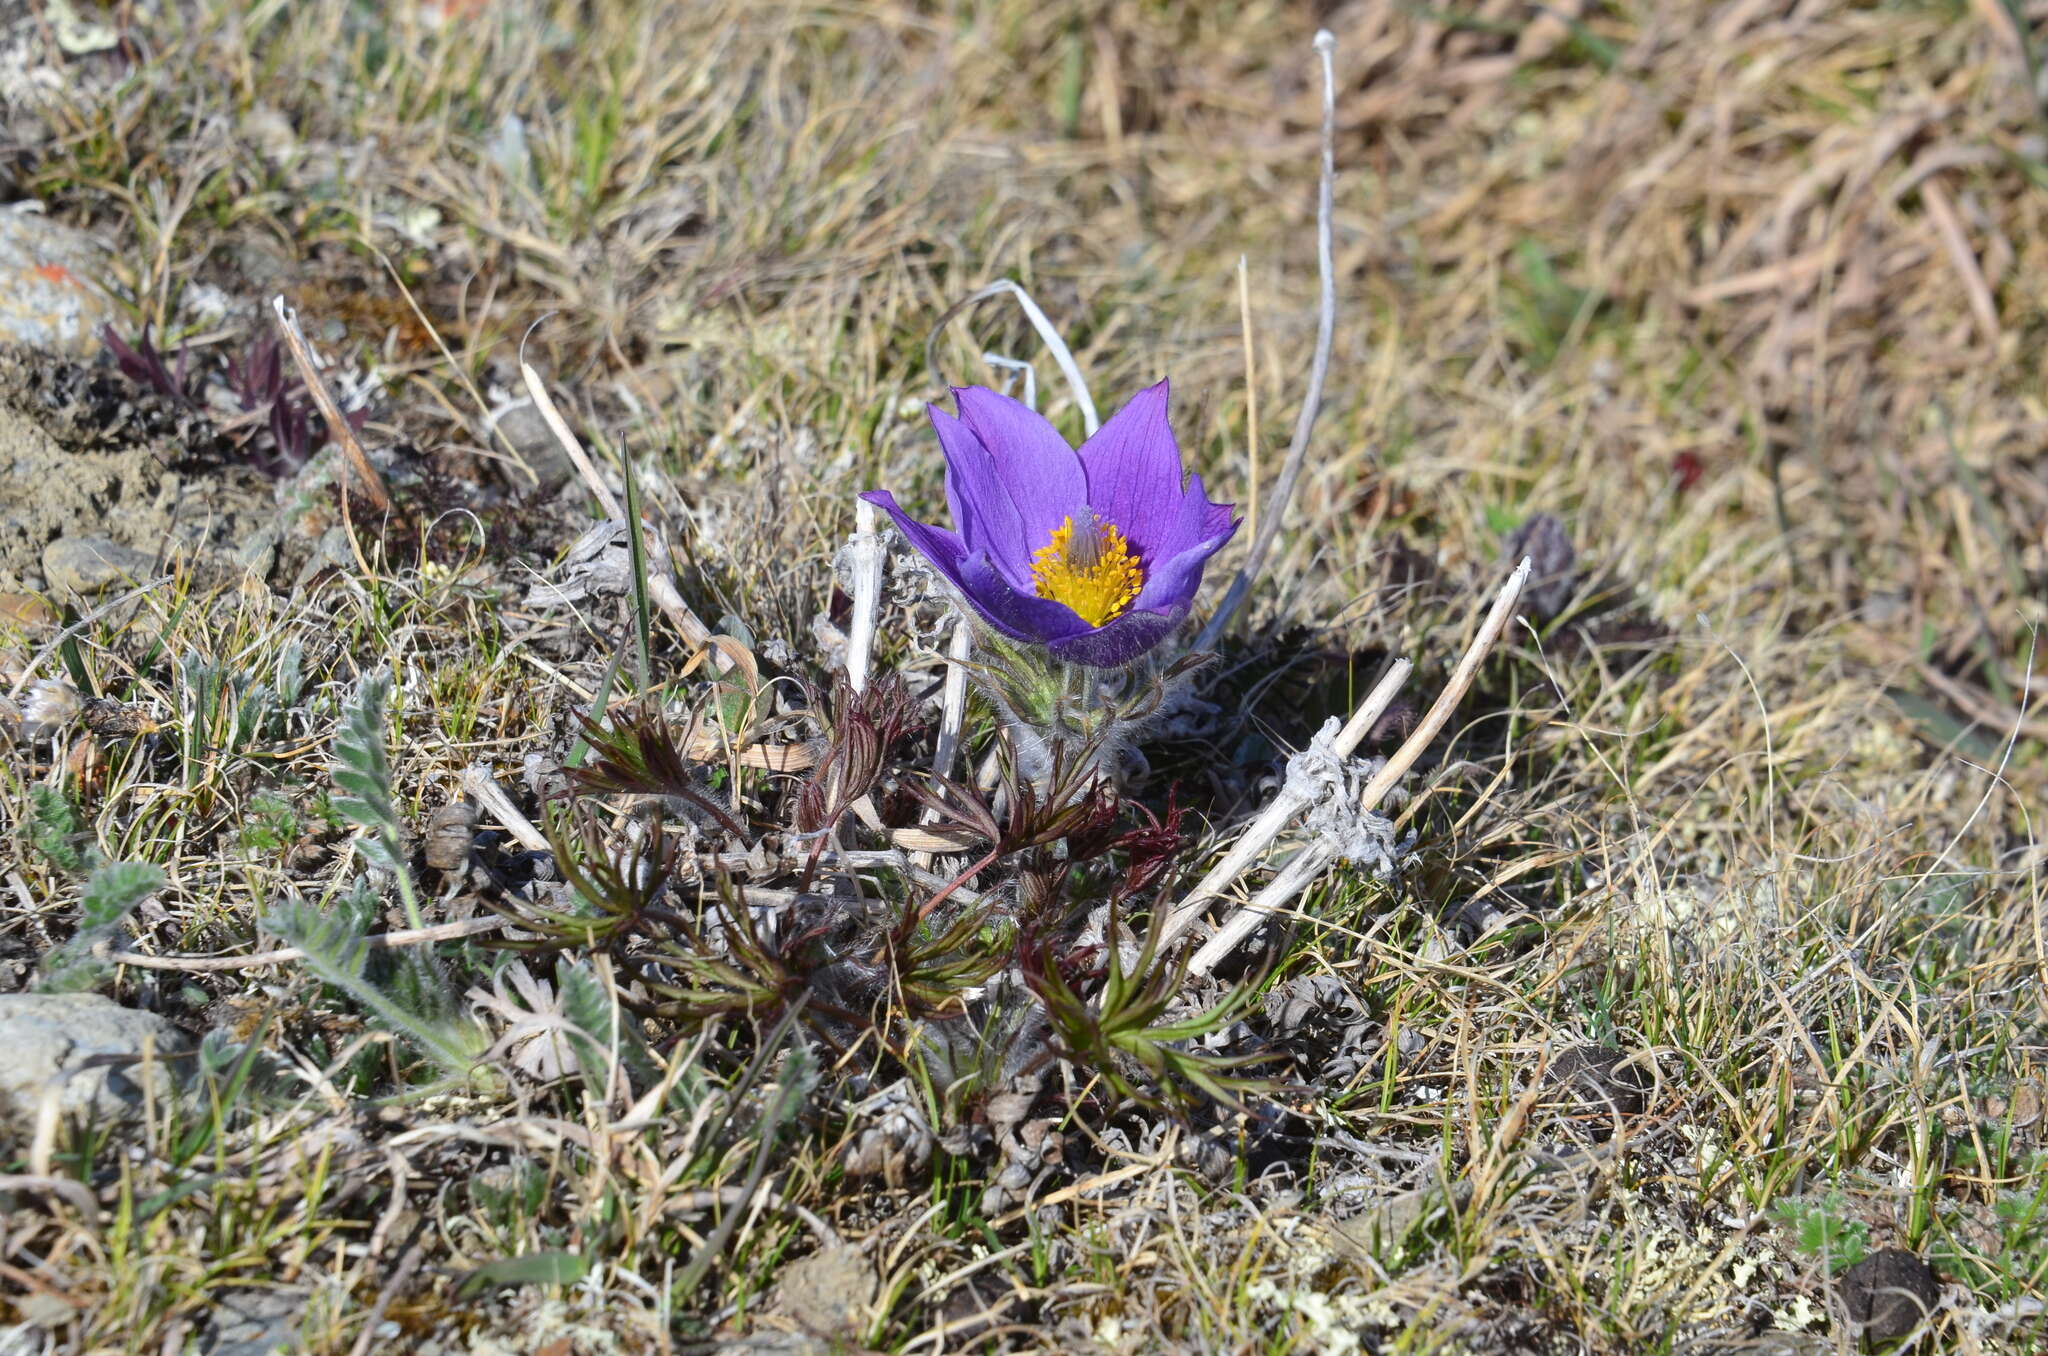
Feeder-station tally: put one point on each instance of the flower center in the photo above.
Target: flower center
(1090, 568)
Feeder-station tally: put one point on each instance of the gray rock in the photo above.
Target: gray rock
(825, 1293)
(41, 1309)
(53, 1040)
(521, 425)
(1552, 579)
(258, 552)
(254, 1323)
(1599, 1086)
(49, 298)
(87, 565)
(330, 550)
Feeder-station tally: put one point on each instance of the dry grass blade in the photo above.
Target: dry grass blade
(403, 937)
(337, 427)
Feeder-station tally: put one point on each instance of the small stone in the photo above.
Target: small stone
(258, 552)
(254, 1323)
(51, 1039)
(1889, 1293)
(116, 720)
(827, 1292)
(2026, 1105)
(331, 550)
(1601, 1085)
(451, 830)
(51, 706)
(1551, 557)
(26, 609)
(47, 297)
(88, 565)
(272, 133)
(43, 1310)
(522, 426)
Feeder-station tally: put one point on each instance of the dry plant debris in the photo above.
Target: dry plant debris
(580, 864)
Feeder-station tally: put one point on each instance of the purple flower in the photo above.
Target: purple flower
(1095, 554)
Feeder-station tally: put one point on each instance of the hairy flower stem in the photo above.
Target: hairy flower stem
(1053, 713)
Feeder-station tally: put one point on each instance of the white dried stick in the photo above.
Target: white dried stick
(1286, 804)
(954, 714)
(1314, 859)
(1403, 758)
(483, 788)
(578, 458)
(864, 561)
(1300, 872)
(338, 426)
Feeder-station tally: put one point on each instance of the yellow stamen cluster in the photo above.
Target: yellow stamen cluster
(1090, 568)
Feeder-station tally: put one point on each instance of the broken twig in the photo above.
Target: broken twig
(1316, 857)
(337, 426)
(1288, 802)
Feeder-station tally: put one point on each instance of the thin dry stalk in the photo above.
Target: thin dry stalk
(439, 932)
(484, 789)
(571, 445)
(1301, 871)
(1251, 402)
(954, 713)
(1061, 354)
(1949, 227)
(1403, 758)
(337, 427)
(661, 584)
(1286, 804)
(864, 557)
(401, 1278)
(1313, 860)
(1312, 399)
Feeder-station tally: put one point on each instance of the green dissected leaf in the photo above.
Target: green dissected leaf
(337, 950)
(113, 890)
(534, 1268)
(53, 828)
(363, 770)
(598, 1027)
(363, 763)
(111, 893)
(1125, 1024)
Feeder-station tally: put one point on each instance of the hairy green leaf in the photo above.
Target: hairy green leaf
(336, 948)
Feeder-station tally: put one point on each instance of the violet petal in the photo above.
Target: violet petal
(983, 508)
(1121, 641)
(1173, 582)
(1039, 466)
(1133, 470)
(942, 548)
(1019, 614)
